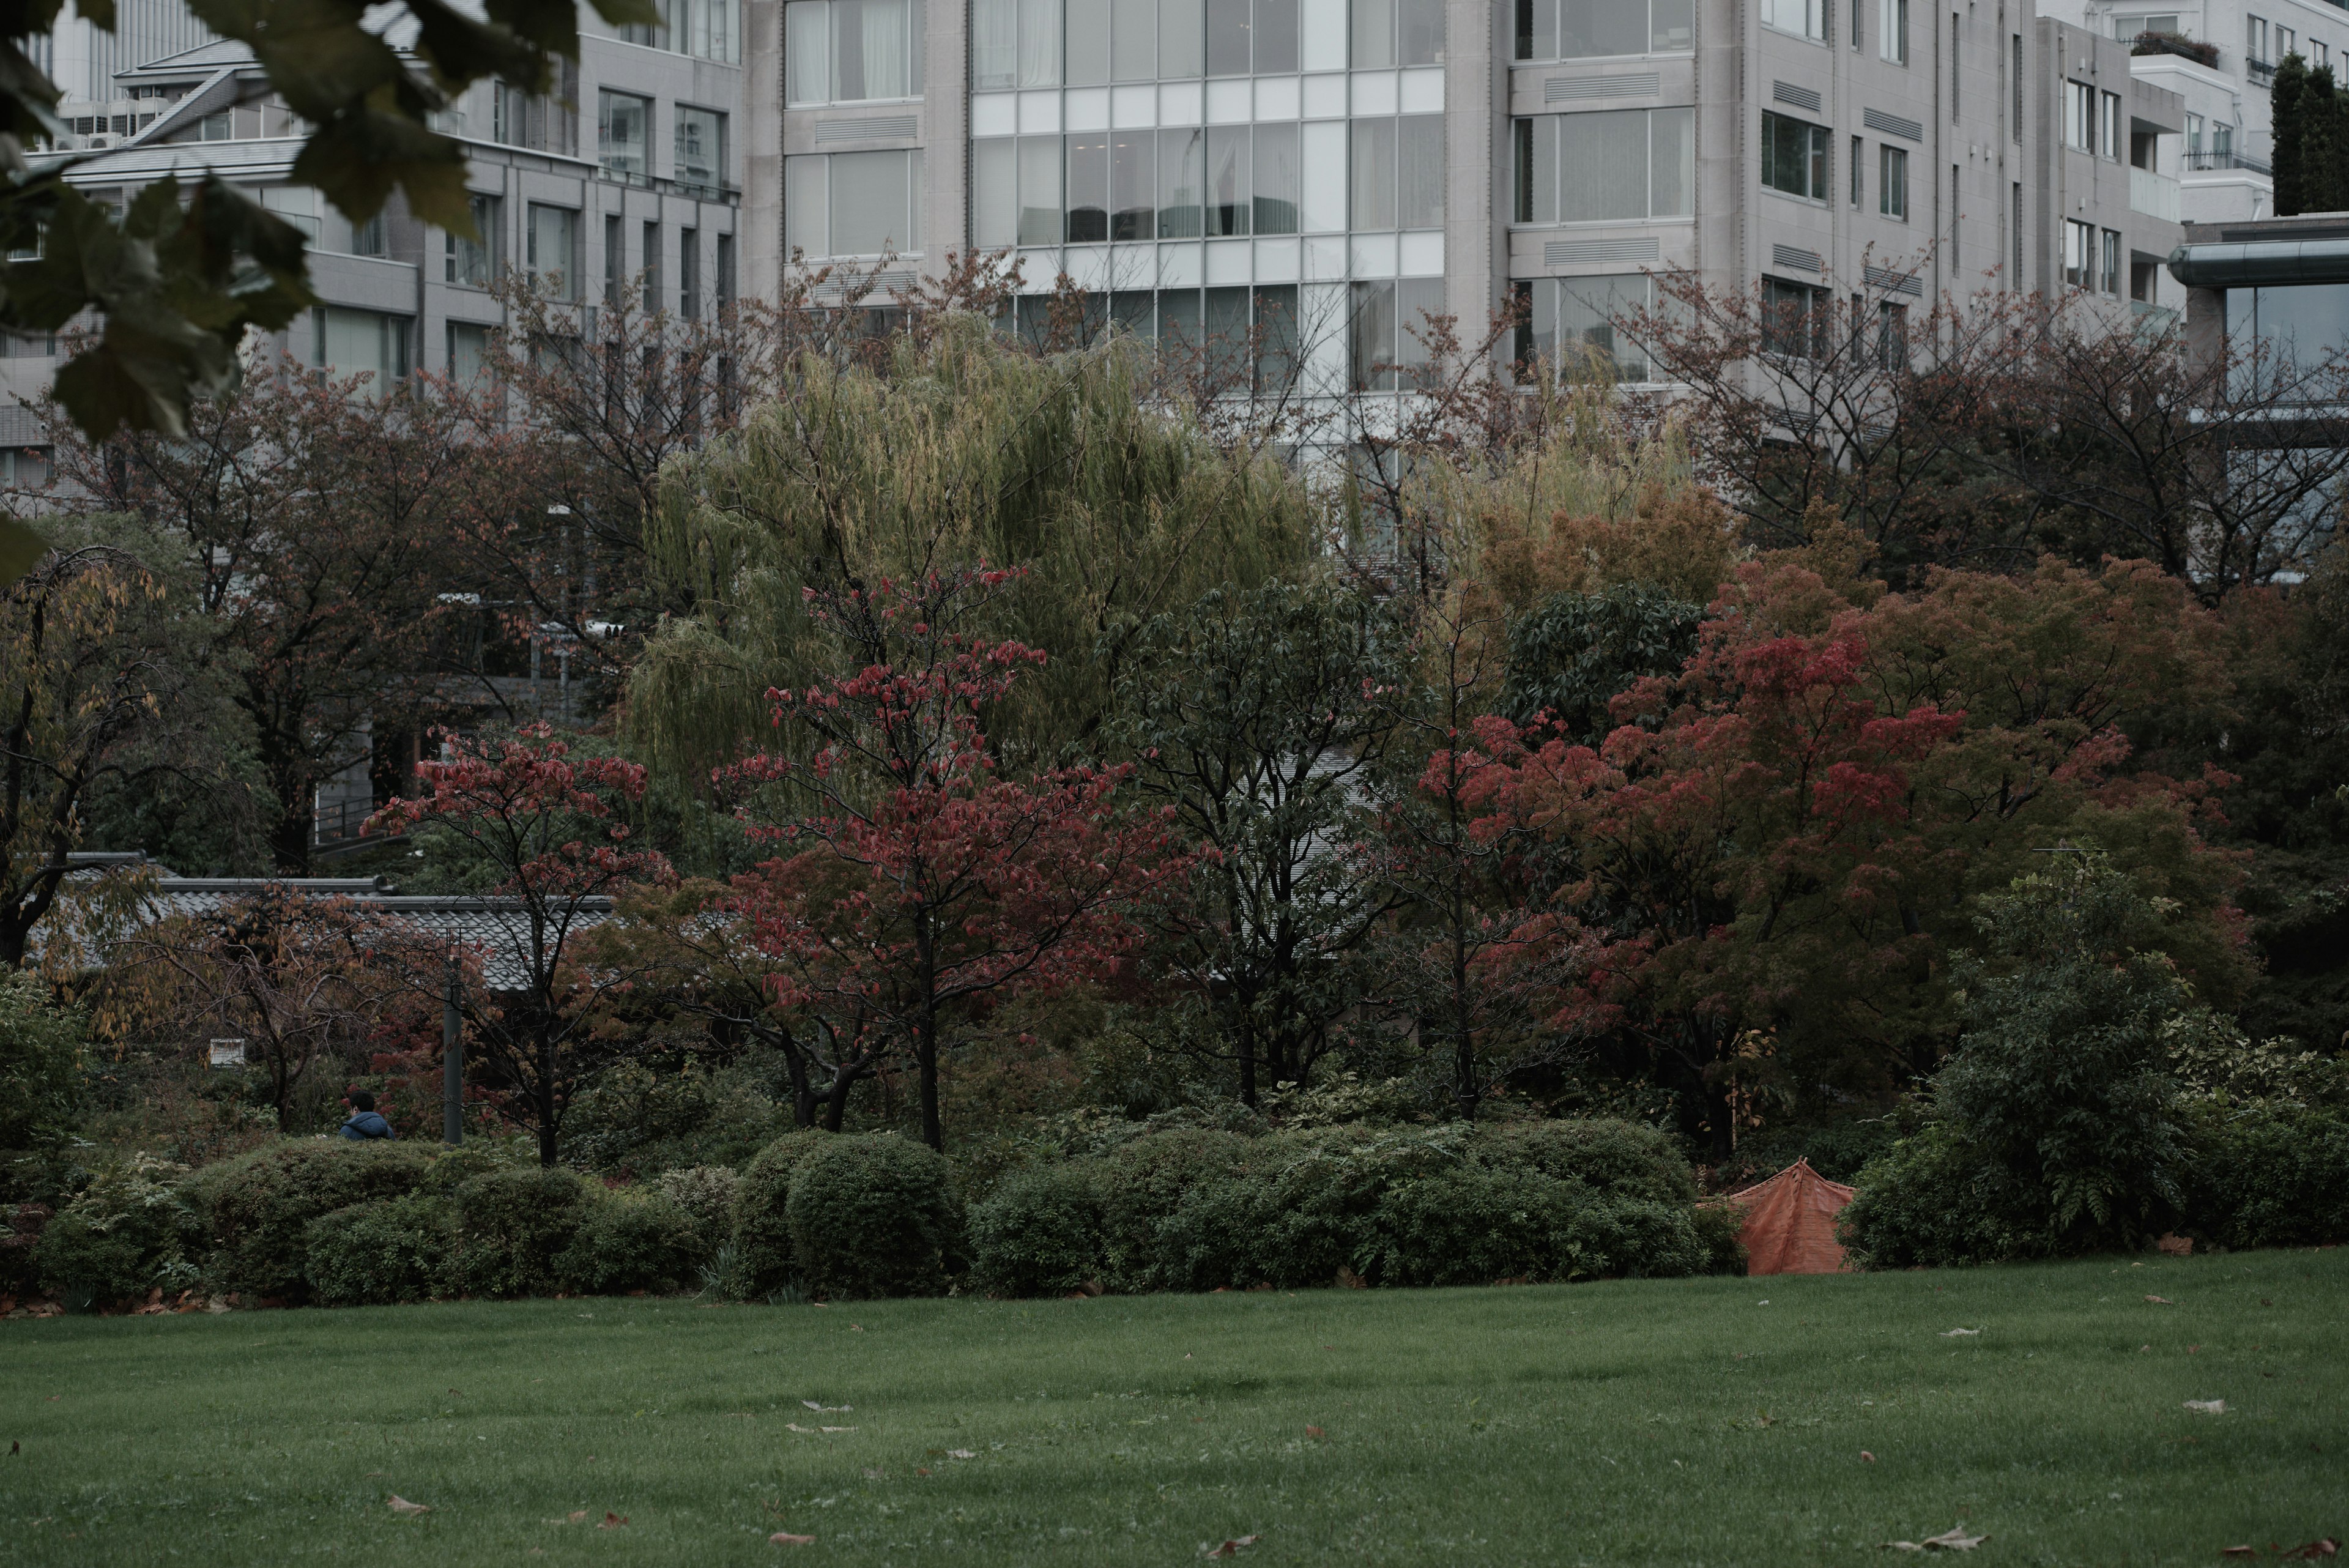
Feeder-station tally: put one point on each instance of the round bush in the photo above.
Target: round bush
(1215, 1238)
(1720, 1226)
(631, 1241)
(1469, 1226)
(2269, 1177)
(128, 1233)
(708, 1192)
(1141, 1185)
(762, 1228)
(258, 1207)
(512, 1226)
(1325, 1190)
(1932, 1199)
(1606, 1237)
(390, 1249)
(1040, 1234)
(872, 1216)
(1609, 1156)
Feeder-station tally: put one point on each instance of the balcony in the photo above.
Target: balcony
(2200, 161)
(2154, 196)
(2261, 72)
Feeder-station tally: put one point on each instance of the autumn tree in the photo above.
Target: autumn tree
(933, 888)
(544, 835)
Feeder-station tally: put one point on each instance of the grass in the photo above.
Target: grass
(1696, 1421)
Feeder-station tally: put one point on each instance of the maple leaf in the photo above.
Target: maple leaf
(400, 1505)
(1231, 1548)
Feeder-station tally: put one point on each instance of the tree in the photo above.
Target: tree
(2284, 160)
(95, 685)
(40, 1064)
(1260, 716)
(939, 889)
(180, 277)
(542, 829)
(317, 519)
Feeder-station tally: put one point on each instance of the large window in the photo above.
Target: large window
(1386, 336)
(2080, 115)
(1610, 166)
(1892, 182)
(1795, 156)
(1175, 183)
(1585, 29)
(2300, 325)
(1795, 318)
(623, 135)
(2108, 127)
(855, 204)
(2108, 273)
(2079, 254)
(552, 239)
(474, 262)
(1806, 18)
(468, 350)
(1892, 31)
(708, 28)
(849, 51)
(346, 343)
(1398, 173)
(1569, 323)
(1397, 33)
(700, 150)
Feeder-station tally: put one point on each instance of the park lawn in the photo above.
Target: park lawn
(1680, 1421)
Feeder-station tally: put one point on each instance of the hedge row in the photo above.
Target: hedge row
(848, 1217)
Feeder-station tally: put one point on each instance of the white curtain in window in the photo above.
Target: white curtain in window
(1419, 194)
(1040, 42)
(1671, 162)
(888, 54)
(872, 194)
(807, 205)
(1603, 166)
(994, 45)
(807, 50)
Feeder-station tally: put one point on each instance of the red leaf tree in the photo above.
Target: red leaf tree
(924, 888)
(542, 826)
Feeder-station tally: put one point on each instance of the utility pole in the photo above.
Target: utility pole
(452, 1064)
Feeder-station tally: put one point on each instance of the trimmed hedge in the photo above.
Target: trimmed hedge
(512, 1227)
(1040, 1234)
(631, 1241)
(763, 1261)
(256, 1208)
(390, 1249)
(873, 1215)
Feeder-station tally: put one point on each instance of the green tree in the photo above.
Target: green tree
(2287, 104)
(40, 1064)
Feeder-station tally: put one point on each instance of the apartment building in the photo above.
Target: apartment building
(2222, 63)
(1342, 165)
(630, 167)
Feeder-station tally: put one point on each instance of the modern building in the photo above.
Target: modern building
(630, 167)
(2221, 56)
(2281, 283)
(1343, 165)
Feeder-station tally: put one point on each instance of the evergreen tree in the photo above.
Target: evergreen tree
(2286, 105)
(2323, 145)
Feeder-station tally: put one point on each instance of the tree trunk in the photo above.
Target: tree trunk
(547, 1123)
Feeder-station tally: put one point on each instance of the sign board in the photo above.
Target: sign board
(228, 1054)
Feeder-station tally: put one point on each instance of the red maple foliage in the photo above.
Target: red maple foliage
(930, 887)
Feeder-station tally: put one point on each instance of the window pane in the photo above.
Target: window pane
(1374, 33)
(1132, 215)
(1417, 300)
(1182, 39)
(1040, 42)
(1130, 309)
(1372, 341)
(1087, 42)
(807, 205)
(1278, 186)
(1089, 188)
(1588, 307)
(806, 53)
(1275, 35)
(994, 45)
(700, 148)
(1374, 174)
(1182, 180)
(1602, 27)
(1603, 170)
(551, 231)
(1179, 323)
(1227, 38)
(1039, 189)
(1421, 30)
(1227, 180)
(1537, 325)
(623, 144)
(1538, 29)
(1418, 195)
(1227, 333)
(886, 39)
(1672, 25)
(1323, 209)
(994, 193)
(1671, 162)
(1133, 40)
(872, 194)
(1275, 337)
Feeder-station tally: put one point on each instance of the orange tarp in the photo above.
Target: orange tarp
(1790, 1222)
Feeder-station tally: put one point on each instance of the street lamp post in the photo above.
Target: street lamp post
(452, 1064)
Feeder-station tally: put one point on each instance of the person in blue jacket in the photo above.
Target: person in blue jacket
(364, 1122)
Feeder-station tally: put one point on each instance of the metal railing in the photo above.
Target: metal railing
(2225, 158)
(340, 822)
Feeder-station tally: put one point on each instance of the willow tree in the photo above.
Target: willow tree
(962, 452)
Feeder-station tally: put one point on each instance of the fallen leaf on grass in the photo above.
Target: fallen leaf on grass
(612, 1520)
(1866, 1456)
(1315, 1432)
(921, 1469)
(785, 1537)
(876, 1475)
(1955, 1539)
(2161, 1301)
(1229, 1548)
(960, 1454)
(14, 1446)
(2206, 1407)
(578, 1516)
(795, 1427)
(2239, 1552)
(828, 1409)
(2325, 1547)
(1961, 1334)
(399, 1505)
(836, 1428)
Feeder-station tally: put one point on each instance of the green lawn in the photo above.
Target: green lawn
(1695, 1421)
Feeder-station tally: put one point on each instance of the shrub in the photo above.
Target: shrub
(1718, 1227)
(762, 1230)
(1621, 1158)
(873, 1215)
(512, 1226)
(1931, 1199)
(1142, 1184)
(1214, 1240)
(2269, 1177)
(1321, 1195)
(388, 1249)
(1470, 1226)
(1609, 1236)
(1040, 1234)
(258, 1207)
(706, 1192)
(40, 1049)
(128, 1233)
(631, 1241)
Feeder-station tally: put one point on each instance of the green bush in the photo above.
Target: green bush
(633, 1118)
(512, 1226)
(128, 1233)
(1215, 1238)
(1323, 1194)
(1040, 1234)
(40, 1052)
(387, 1249)
(1635, 1238)
(1620, 1158)
(763, 1262)
(631, 1241)
(708, 1192)
(258, 1207)
(1931, 1200)
(2268, 1176)
(1718, 1227)
(873, 1215)
(1472, 1225)
(1141, 1185)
